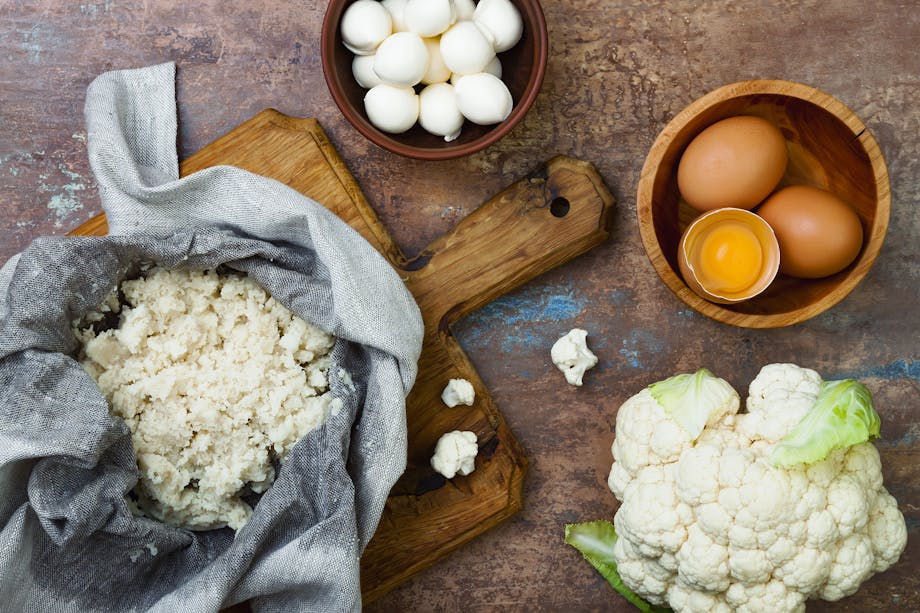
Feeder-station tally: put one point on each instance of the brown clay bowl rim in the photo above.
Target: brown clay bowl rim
(393, 144)
(876, 234)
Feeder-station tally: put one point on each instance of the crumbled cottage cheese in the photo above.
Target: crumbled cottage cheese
(216, 381)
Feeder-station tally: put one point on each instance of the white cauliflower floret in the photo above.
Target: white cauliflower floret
(645, 436)
(652, 429)
(649, 578)
(571, 355)
(455, 454)
(887, 531)
(689, 600)
(713, 520)
(778, 399)
(768, 597)
(651, 516)
(458, 391)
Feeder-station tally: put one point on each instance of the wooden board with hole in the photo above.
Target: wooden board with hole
(545, 219)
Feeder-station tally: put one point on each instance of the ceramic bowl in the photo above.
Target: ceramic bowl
(523, 67)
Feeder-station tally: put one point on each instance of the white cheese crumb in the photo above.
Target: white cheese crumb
(458, 391)
(571, 355)
(216, 381)
(455, 454)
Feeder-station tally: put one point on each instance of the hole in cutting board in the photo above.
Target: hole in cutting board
(559, 207)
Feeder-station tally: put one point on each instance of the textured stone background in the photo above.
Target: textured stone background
(618, 72)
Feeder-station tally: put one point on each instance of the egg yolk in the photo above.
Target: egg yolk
(730, 258)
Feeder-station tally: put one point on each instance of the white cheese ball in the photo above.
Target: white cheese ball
(397, 10)
(390, 108)
(362, 67)
(429, 17)
(502, 21)
(465, 49)
(402, 59)
(493, 67)
(438, 113)
(437, 72)
(365, 24)
(483, 98)
(464, 9)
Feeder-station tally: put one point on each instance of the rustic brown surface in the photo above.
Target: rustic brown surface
(618, 72)
(515, 236)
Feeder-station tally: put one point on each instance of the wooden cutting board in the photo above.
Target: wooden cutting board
(554, 214)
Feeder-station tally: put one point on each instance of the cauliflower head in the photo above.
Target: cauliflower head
(758, 511)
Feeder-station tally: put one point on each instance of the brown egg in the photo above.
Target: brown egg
(735, 162)
(818, 233)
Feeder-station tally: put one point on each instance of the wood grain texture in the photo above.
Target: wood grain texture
(829, 147)
(617, 73)
(556, 213)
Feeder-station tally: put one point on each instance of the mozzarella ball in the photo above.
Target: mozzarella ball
(438, 112)
(391, 109)
(365, 24)
(437, 72)
(501, 20)
(494, 67)
(465, 49)
(401, 59)
(483, 98)
(397, 10)
(464, 9)
(429, 17)
(363, 69)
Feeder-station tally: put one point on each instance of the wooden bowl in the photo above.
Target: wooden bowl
(829, 147)
(523, 67)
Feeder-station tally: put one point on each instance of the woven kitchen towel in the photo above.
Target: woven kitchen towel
(69, 542)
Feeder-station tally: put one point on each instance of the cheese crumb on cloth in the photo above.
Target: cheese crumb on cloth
(216, 380)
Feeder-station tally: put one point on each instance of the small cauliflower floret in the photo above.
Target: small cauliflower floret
(662, 421)
(455, 454)
(650, 578)
(571, 355)
(458, 391)
(769, 597)
(887, 531)
(850, 567)
(686, 599)
(646, 436)
(778, 399)
(703, 563)
(651, 515)
(807, 571)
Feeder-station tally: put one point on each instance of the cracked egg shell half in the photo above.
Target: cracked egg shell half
(728, 255)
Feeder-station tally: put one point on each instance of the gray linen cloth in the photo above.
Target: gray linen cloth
(68, 540)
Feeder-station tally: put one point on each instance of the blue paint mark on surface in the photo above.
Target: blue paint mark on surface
(620, 298)
(899, 369)
(523, 316)
(908, 439)
(639, 346)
